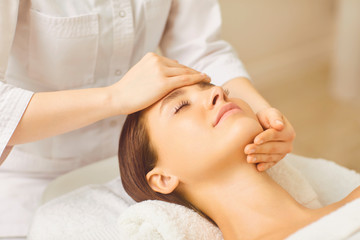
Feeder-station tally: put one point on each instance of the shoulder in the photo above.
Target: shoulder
(355, 194)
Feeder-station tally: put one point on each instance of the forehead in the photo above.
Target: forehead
(175, 93)
(200, 85)
(180, 91)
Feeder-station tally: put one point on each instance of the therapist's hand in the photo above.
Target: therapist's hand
(149, 80)
(274, 142)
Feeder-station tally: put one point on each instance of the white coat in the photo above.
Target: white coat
(65, 44)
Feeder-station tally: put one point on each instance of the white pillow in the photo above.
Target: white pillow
(162, 220)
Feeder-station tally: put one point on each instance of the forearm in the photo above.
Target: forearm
(242, 88)
(52, 113)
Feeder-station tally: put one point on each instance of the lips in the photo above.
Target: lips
(223, 110)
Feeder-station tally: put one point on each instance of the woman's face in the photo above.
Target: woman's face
(197, 130)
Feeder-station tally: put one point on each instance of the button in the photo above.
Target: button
(122, 13)
(118, 72)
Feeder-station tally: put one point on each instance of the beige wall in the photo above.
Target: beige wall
(346, 62)
(279, 37)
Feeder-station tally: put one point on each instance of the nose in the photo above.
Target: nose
(216, 96)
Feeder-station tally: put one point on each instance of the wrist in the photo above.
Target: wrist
(261, 107)
(242, 88)
(112, 100)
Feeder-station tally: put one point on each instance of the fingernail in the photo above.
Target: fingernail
(260, 142)
(279, 122)
(251, 151)
(253, 160)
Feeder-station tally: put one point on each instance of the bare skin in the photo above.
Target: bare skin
(248, 204)
(275, 142)
(206, 163)
(53, 113)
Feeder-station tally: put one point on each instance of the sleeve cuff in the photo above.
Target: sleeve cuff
(13, 102)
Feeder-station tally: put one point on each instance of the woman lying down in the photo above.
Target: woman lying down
(188, 149)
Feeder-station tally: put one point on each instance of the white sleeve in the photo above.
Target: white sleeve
(192, 37)
(13, 101)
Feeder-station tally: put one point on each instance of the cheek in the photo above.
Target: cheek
(238, 134)
(186, 148)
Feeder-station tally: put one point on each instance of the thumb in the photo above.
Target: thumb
(264, 119)
(271, 118)
(276, 121)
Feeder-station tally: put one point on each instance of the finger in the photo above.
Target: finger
(264, 121)
(287, 134)
(264, 166)
(271, 135)
(276, 119)
(269, 148)
(277, 123)
(171, 62)
(258, 158)
(157, 59)
(185, 80)
(273, 118)
(177, 71)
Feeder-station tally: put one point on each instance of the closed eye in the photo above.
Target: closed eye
(182, 104)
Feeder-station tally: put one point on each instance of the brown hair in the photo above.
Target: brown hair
(137, 157)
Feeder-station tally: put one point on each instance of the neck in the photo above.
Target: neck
(247, 204)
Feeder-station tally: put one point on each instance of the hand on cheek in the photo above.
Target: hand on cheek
(273, 143)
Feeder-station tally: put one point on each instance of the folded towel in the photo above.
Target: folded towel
(294, 182)
(344, 223)
(330, 181)
(162, 220)
(89, 213)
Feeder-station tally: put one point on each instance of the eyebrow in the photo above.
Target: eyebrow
(180, 92)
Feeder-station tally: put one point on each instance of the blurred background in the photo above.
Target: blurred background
(304, 57)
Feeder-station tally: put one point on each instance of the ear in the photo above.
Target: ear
(161, 182)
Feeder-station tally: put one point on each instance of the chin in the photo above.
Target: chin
(237, 133)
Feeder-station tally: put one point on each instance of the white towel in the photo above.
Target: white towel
(294, 182)
(344, 223)
(161, 220)
(89, 213)
(101, 212)
(330, 181)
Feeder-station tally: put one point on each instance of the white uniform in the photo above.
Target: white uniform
(65, 44)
